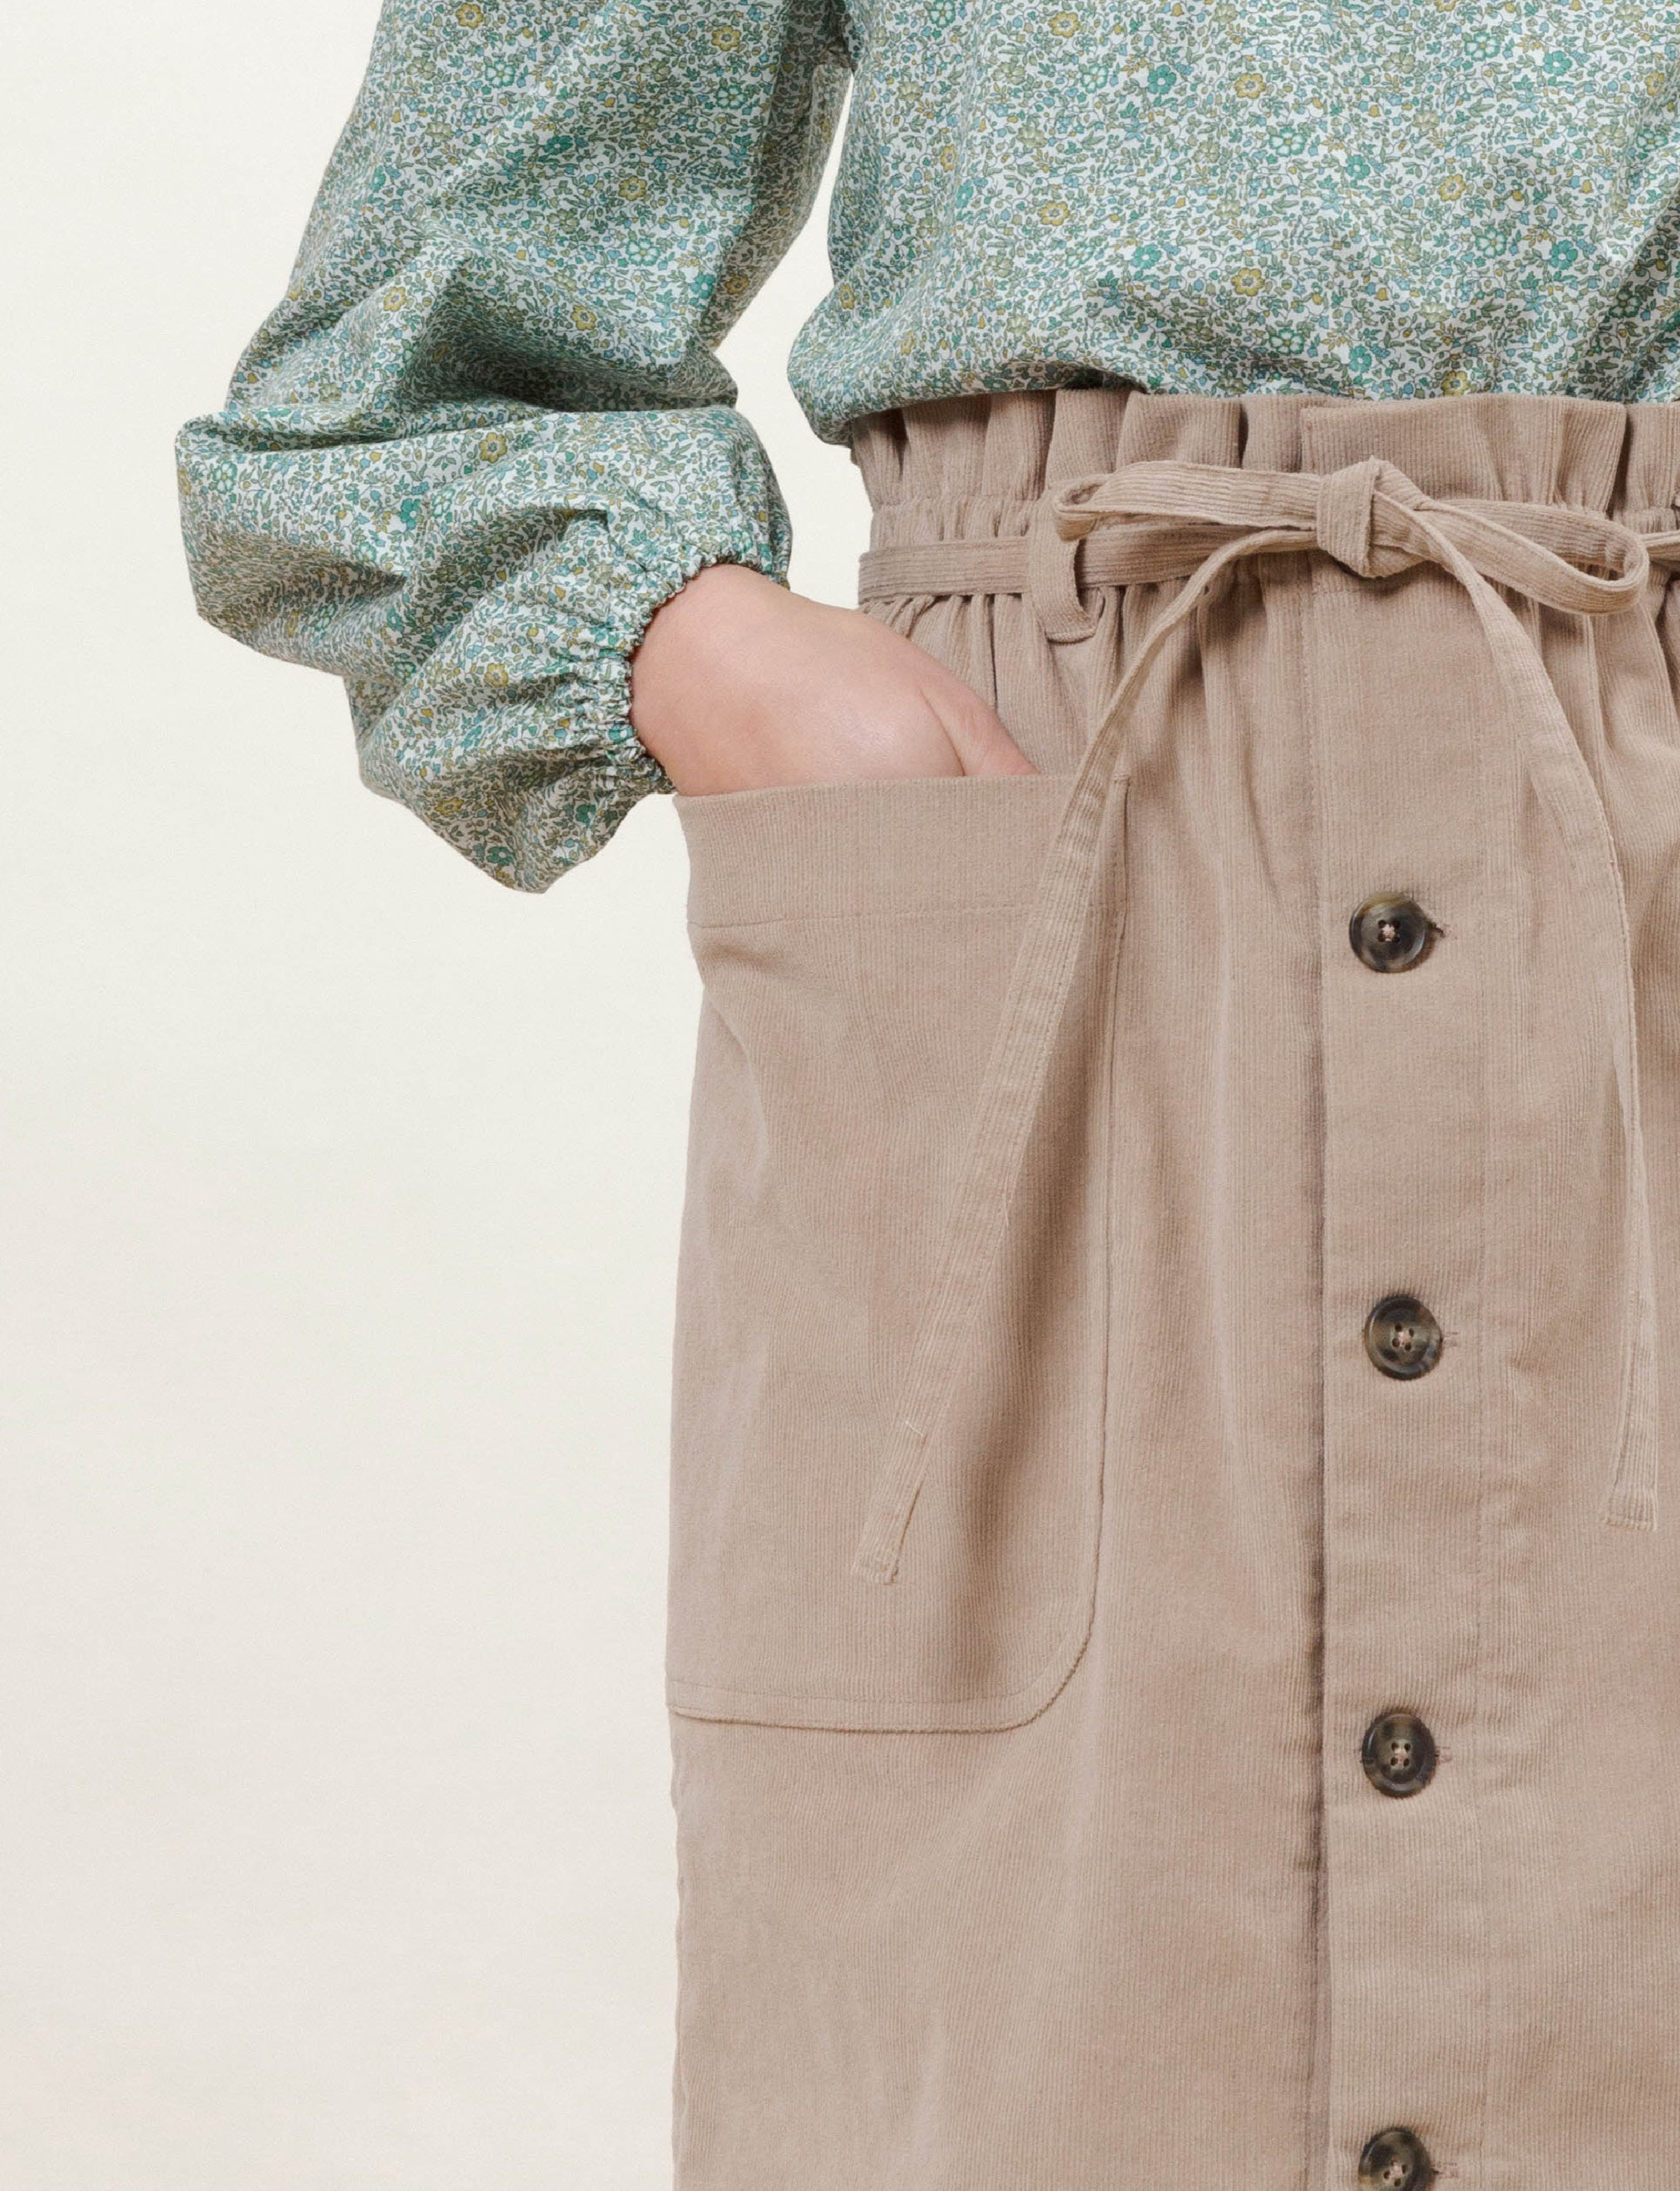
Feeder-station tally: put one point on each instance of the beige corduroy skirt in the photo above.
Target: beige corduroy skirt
(1174, 1643)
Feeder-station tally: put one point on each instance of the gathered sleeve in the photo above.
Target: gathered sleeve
(486, 435)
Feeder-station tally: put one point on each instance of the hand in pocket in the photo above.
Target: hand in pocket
(740, 686)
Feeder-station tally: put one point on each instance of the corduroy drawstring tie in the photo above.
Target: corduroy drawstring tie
(1148, 522)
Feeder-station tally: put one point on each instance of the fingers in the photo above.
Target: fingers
(997, 754)
(983, 744)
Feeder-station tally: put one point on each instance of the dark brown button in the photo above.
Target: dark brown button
(1398, 1754)
(1390, 934)
(1402, 1338)
(1396, 2160)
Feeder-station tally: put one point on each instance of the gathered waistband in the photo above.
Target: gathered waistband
(974, 467)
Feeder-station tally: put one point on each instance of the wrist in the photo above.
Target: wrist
(693, 640)
(718, 590)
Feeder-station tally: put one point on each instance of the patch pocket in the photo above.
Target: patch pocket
(855, 943)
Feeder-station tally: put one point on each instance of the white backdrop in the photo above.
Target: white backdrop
(339, 1210)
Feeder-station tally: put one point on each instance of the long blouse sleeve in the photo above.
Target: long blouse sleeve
(486, 434)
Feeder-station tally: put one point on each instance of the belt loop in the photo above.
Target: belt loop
(1052, 577)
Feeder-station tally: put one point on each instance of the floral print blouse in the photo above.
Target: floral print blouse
(486, 434)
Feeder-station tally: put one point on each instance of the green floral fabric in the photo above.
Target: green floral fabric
(486, 434)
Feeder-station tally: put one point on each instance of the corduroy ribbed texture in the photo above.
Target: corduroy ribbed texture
(1050, 1865)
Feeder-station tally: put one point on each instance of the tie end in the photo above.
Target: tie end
(888, 1520)
(872, 1563)
(1630, 1502)
(1628, 1507)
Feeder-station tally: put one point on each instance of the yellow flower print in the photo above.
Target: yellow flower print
(470, 14)
(1064, 23)
(632, 186)
(449, 808)
(582, 318)
(1456, 381)
(948, 156)
(1053, 213)
(726, 35)
(1656, 83)
(395, 300)
(494, 674)
(493, 447)
(1451, 187)
(845, 296)
(1248, 280)
(736, 284)
(1250, 85)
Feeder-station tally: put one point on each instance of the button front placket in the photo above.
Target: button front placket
(1413, 784)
